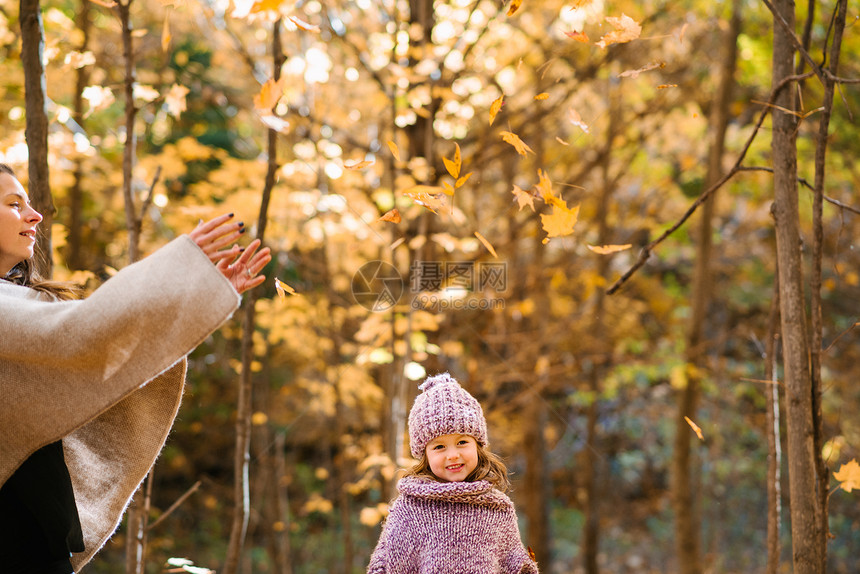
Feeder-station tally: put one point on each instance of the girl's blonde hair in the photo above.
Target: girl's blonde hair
(490, 468)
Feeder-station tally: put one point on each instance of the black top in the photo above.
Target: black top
(39, 522)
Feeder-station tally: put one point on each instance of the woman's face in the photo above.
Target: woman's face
(18, 221)
(452, 457)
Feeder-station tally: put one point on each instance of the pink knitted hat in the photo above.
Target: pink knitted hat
(444, 408)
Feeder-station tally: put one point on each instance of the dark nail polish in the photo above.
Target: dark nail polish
(229, 215)
(241, 249)
(241, 224)
(241, 230)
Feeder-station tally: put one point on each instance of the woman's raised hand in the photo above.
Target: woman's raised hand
(239, 266)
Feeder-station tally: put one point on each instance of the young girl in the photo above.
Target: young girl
(89, 389)
(452, 516)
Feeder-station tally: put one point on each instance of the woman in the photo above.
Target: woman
(90, 388)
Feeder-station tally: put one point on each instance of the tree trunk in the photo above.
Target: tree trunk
(774, 446)
(82, 74)
(798, 384)
(535, 481)
(36, 131)
(242, 457)
(686, 505)
(130, 149)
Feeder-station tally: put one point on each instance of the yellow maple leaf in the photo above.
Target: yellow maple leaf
(695, 428)
(395, 151)
(269, 94)
(515, 5)
(496, 107)
(626, 29)
(544, 187)
(515, 141)
(524, 198)
(391, 215)
(453, 165)
(848, 476)
(606, 249)
(487, 244)
(561, 221)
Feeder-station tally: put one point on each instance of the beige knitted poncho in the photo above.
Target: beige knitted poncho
(105, 375)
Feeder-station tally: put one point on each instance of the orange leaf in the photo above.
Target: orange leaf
(515, 141)
(524, 198)
(695, 428)
(486, 243)
(266, 5)
(283, 289)
(664, 86)
(165, 35)
(495, 107)
(394, 150)
(606, 249)
(359, 165)
(561, 221)
(515, 5)
(269, 94)
(428, 196)
(391, 215)
(448, 189)
(544, 187)
(578, 36)
(302, 25)
(848, 476)
(626, 29)
(532, 554)
(463, 180)
(453, 166)
(542, 96)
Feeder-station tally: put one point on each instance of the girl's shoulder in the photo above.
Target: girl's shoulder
(478, 493)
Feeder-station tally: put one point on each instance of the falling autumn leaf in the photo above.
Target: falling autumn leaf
(165, 35)
(561, 141)
(394, 150)
(448, 188)
(462, 180)
(848, 476)
(626, 29)
(487, 244)
(269, 94)
(266, 6)
(542, 96)
(695, 428)
(495, 107)
(428, 196)
(544, 187)
(359, 165)
(391, 215)
(515, 5)
(302, 25)
(606, 249)
(648, 68)
(664, 86)
(515, 141)
(561, 221)
(574, 118)
(453, 166)
(524, 198)
(578, 36)
(283, 289)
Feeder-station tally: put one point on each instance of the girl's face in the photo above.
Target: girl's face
(452, 457)
(18, 223)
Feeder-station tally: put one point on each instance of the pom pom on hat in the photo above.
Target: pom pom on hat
(444, 407)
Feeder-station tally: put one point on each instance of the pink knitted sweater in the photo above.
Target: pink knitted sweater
(450, 528)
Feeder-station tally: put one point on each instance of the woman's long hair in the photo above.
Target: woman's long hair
(25, 273)
(490, 468)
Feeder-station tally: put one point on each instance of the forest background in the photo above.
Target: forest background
(577, 208)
